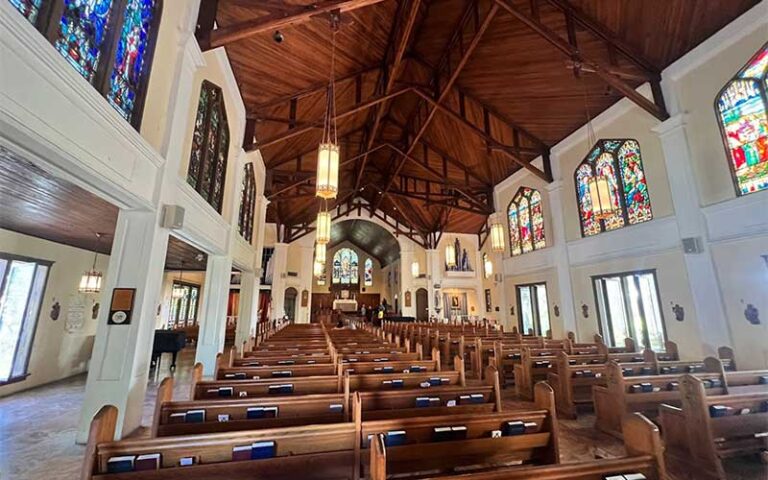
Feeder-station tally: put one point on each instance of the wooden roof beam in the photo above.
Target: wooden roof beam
(655, 108)
(389, 75)
(300, 14)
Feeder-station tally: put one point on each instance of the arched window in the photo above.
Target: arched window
(109, 42)
(210, 145)
(619, 161)
(368, 276)
(742, 108)
(345, 267)
(247, 203)
(526, 222)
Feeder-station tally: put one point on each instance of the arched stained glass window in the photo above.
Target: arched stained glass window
(743, 114)
(345, 267)
(247, 203)
(109, 42)
(210, 146)
(368, 275)
(619, 161)
(526, 222)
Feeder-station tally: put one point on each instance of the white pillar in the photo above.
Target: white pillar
(434, 276)
(249, 304)
(280, 264)
(306, 275)
(213, 312)
(701, 274)
(119, 365)
(406, 282)
(558, 243)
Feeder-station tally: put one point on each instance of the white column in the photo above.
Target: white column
(119, 365)
(701, 274)
(213, 312)
(306, 275)
(434, 276)
(249, 304)
(406, 283)
(280, 264)
(557, 241)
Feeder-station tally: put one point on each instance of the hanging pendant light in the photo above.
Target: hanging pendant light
(450, 255)
(320, 253)
(323, 227)
(178, 290)
(497, 233)
(327, 182)
(415, 270)
(90, 282)
(488, 267)
(318, 269)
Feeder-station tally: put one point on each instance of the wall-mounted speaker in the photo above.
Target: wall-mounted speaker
(173, 217)
(692, 245)
(498, 278)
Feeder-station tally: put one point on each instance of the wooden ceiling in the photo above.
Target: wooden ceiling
(439, 100)
(368, 237)
(183, 256)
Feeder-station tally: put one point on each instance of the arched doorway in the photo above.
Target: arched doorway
(422, 303)
(290, 303)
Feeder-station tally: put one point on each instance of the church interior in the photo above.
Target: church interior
(384, 239)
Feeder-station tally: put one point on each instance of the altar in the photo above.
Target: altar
(345, 305)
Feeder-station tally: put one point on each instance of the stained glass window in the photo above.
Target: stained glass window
(620, 162)
(368, 275)
(109, 42)
(345, 267)
(130, 56)
(526, 222)
(743, 114)
(29, 8)
(247, 204)
(210, 146)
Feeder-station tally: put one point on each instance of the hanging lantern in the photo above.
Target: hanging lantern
(488, 267)
(318, 270)
(450, 255)
(90, 282)
(323, 228)
(497, 233)
(415, 269)
(178, 289)
(600, 194)
(320, 253)
(327, 183)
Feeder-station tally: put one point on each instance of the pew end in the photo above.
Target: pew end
(378, 462)
(197, 377)
(544, 398)
(458, 365)
(103, 427)
(436, 358)
(218, 364)
(492, 379)
(642, 437)
(164, 394)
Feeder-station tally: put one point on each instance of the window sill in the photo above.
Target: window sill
(11, 380)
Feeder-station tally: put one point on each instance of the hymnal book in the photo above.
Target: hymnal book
(764, 406)
(422, 402)
(636, 388)
(284, 388)
(646, 387)
(476, 398)
(195, 416)
(531, 427)
(242, 452)
(387, 369)
(226, 391)
(352, 359)
(310, 362)
(459, 432)
(434, 401)
(253, 364)
(445, 381)
(668, 370)
(541, 364)
(121, 464)
(336, 408)
(571, 362)
(671, 386)
(441, 434)
(397, 383)
(716, 411)
(261, 412)
(262, 450)
(646, 371)
(177, 418)
(148, 461)
(634, 476)
(545, 354)
(240, 375)
(418, 368)
(229, 375)
(763, 380)
(394, 438)
(596, 361)
(627, 372)
(435, 381)
(514, 428)
(282, 373)
(693, 368)
(715, 383)
(286, 362)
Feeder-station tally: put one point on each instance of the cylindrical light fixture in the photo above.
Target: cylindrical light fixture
(497, 233)
(600, 194)
(320, 253)
(327, 170)
(488, 267)
(323, 228)
(450, 255)
(415, 269)
(90, 282)
(318, 270)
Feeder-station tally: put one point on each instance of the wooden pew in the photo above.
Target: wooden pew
(642, 443)
(219, 389)
(277, 371)
(699, 441)
(315, 452)
(420, 452)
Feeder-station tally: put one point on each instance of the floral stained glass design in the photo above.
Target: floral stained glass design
(210, 146)
(130, 56)
(620, 162)
(345, 267)
(743, 114)
(247, 203)
(368, 272)
(29, 8)
(81, 33)
(526, 222)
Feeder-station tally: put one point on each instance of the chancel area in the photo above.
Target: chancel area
(384, 239)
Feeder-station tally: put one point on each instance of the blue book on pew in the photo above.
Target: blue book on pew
(240, 375)
(716, 411)
(262, 450)
(195, 416)
(397, 383)
(763, 380)
(282, 373)
(442, 434)
(121, 464)
(646, 371)
(764, 407)
(646, 387)
(394, 438)
(435, 381)
(516, 427)
(261, 412)
(226, 391)
(336, 408)
(422, 402)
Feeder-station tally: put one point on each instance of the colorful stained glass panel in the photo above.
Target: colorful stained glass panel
(29, 8)
(130, 56)
(81, 33)
(524, 218)
(589, 225)
(514, 231)
(636, 195)
(605, 167)
(368, 278)
(537, 221)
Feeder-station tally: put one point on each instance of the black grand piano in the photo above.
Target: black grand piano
(167, 341)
